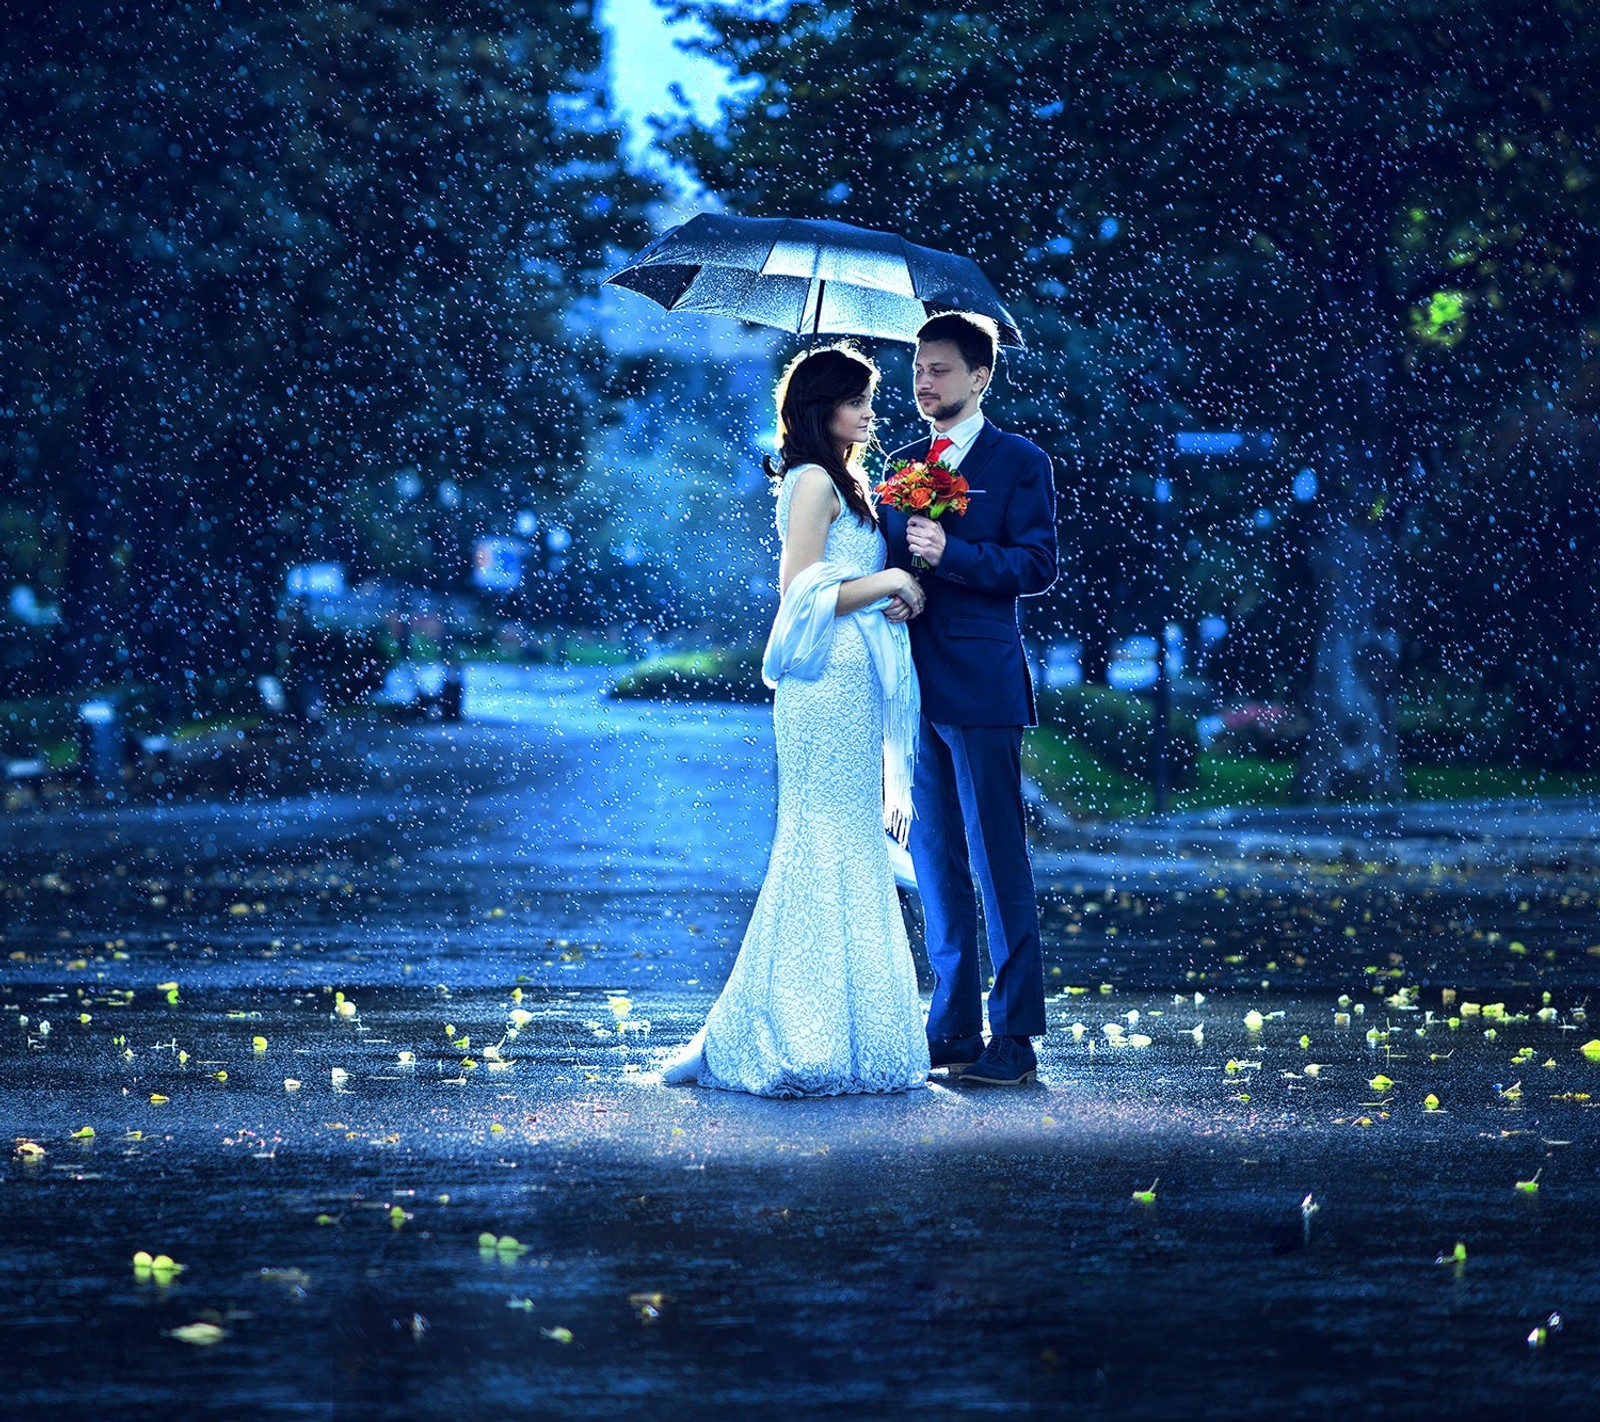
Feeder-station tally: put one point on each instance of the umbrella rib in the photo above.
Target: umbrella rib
(905, 256)
(683, 286)
(772, 246)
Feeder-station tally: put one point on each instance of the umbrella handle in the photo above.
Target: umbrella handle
(816, 320)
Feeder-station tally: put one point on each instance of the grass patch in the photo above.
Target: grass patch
(1238, 780)
(1075, 781)
(719, 674)
(1118, 729)
(193, 730)
(39, 725)
(1494, 782)
(586, 653)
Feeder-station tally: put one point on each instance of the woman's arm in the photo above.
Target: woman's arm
(813, 506)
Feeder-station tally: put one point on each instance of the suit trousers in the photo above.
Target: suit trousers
(968, 839)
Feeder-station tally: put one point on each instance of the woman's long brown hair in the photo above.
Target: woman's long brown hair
(813, 385)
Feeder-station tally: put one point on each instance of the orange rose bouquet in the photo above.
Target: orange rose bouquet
(924, 486)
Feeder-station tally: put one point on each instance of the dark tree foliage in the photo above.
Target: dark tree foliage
(1370, 227)
(255, 261)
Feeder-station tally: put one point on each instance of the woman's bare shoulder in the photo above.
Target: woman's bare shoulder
(813, 484)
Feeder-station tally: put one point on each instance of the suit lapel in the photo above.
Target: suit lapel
(910, 450)
(979, 455)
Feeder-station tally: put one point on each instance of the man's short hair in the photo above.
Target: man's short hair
(974, 336)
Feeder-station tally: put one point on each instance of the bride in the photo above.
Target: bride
(822, 999)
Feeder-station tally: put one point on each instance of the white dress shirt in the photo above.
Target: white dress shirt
(961, 437)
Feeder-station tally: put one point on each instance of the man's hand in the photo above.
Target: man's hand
(898, 610)
(925, 538)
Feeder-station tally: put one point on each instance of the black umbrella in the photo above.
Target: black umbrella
(802, 274)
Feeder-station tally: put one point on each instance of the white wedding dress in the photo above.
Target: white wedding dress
(822, 999)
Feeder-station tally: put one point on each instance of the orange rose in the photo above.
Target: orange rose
(921, 498)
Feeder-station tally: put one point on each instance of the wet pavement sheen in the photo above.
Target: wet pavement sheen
(467, 945)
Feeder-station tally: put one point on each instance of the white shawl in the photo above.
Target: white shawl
(802, 634)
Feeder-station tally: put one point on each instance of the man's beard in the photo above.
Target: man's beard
(942, 413)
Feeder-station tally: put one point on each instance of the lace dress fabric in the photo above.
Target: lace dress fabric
(823, 998)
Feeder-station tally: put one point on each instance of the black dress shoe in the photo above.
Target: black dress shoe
(1008, 1061)
(954, 1054)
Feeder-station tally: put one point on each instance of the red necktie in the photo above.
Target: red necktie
(938, 447)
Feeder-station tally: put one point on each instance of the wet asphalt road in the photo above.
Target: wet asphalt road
(521, 912)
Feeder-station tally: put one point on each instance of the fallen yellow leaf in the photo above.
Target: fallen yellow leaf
(201, 1335)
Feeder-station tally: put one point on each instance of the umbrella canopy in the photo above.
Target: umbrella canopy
(810, 275)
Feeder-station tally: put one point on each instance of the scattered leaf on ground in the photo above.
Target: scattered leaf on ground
(201, 1335)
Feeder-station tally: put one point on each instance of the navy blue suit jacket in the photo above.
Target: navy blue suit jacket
(966, 642)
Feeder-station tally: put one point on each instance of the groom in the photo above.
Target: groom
(968, 837)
